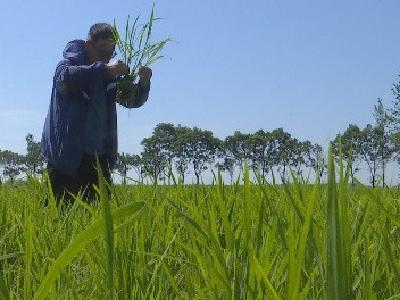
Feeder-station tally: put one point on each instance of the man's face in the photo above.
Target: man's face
(105, 48)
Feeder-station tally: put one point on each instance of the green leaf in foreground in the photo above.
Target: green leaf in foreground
(81, 241)
(108, 229)
(3, 289)
(338, 283)
(28, 258)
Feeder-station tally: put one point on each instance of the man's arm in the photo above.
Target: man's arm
(77, 77)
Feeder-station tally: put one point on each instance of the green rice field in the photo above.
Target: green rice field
(248, 240)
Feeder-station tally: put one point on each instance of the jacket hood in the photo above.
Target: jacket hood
(75, 51)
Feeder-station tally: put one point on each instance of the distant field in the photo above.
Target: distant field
(242, 241)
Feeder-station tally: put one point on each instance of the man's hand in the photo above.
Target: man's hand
(118, 68)
(145, 74)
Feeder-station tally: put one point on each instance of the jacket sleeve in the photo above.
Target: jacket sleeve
(77, 77)
(141, 96)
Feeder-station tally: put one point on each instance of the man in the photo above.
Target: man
(82, 121)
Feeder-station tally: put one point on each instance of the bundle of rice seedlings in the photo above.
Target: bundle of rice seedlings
(137, 49)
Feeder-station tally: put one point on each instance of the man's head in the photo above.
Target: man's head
(100, 43)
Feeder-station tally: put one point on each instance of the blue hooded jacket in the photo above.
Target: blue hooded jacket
(63, 130)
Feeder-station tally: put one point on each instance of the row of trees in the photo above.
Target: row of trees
(375, 145)
(184, 151)
(13, 164)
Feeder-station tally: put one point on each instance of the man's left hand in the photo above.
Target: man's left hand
(145, 74)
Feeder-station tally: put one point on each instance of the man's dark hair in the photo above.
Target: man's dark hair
(101, 31)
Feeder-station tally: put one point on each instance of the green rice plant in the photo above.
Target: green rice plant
(298, 255)
(28, 257)
(108, 229)
(339, 283)
(4, 294)
(137, 49)
(81, 241)
(248, 240)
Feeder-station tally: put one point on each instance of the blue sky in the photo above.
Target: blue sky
(311, 67)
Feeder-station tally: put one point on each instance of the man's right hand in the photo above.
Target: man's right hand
(118, 68)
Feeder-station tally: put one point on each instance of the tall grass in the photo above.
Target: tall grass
(247, 240)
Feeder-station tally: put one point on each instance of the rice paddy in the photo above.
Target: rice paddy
(248, 240)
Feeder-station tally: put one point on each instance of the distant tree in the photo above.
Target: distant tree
(298, 158)
(123, 165)
(314, 158)
(263, 153)
(165, 135)
(153, 159)
(228, 165)
(203, 150)
(182, 150)
(394, 121)
(394, 111)
(285, 150)
(385, 144)
(238, 147)
(158, 152)
(34, 159)
(13, 164)
(1, 164)
(138, 166)
(352, 143)
(370, 150)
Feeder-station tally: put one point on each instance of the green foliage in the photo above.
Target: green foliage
(13, 164)
(180, 146)
(248, 240)
(34, 159)
(137, 49)
(136, 45)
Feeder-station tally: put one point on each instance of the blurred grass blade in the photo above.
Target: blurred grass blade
(344, 225)
(108, 228)
(297, 265)
(332, 235)
(390, 256)
(28, 257)
(259, 272)
(338, 283)
(4, 294)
